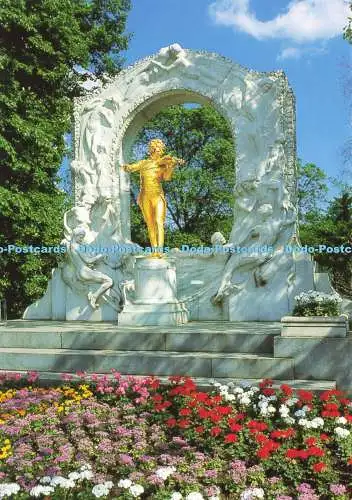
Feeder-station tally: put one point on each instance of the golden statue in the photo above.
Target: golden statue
(151, 200)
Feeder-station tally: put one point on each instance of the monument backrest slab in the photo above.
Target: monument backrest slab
(260, 110)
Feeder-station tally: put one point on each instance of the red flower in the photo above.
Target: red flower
(199, 429)
(202, 397)
(305, 396)
(315, 451)
(230, 438)
(263, 453)
(348, 418)
(215, 431)
(157, 398)
(175, 378)
(154, 383)
(326, 395)
(266, 382)
(171, 422)
(268, 392)
(286, 389)
(349, 461)
(257, 425)
(330, 414)
(237, 417)
(261, 438)
(324, 437)
(319, 467)
(185, 411)
(311, 441)
(215, 417)
(224, 410)
(203, 413)
(345, 401)
(285, 434)
(184, 423)
(215, 400)
(235, 427)
(331, 407)
(294, 453)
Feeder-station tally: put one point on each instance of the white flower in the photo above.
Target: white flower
(194, 496)
(124, 483)
(74, 476)
(45, 479)
(252, 493)
(100, 490)
(289, 420)
(223, 388)
(300, 413)
(165, 472)
(303, 422)
(109, 484)
(284, 411)
(136, 490)
(291, 401)
(217, 384)
(176, 496)
(342, 432)
(86, 467)
(86, 474)
(238, 390)
(41, 490)
(341, 420)
(8, 489)
(255, 388)
(62, 482)
(230, 397)
(244, 400)
(317, 422)
(271, 409)
(306, 408)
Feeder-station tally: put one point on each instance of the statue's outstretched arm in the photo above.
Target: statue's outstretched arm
(134, 167)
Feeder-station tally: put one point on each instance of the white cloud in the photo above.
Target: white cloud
(290, 53)
(298, 52)
(303, 21)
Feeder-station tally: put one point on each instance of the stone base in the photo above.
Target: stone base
(142, 314)
(314, 326)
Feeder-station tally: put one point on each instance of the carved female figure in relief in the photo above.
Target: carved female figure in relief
(151, 200)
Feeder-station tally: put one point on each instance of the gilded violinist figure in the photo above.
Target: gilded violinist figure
(151, 199)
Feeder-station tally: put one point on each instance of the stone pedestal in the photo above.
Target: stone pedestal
(154, 301)
(314, 326)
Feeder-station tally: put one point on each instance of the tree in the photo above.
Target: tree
(348, 29)
(312, 189)
(41, 42)
(333, 229)
(200, 195)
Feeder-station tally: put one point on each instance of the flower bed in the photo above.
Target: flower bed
(124, 438)
(314, 303)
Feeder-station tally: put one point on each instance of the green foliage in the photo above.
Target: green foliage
(41, 41)
(347, 34)
(200, 194)
(334, 229)
(321, 305)
(312, 189)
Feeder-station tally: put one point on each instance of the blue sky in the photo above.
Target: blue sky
(302, 37)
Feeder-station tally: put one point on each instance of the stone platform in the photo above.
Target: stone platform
(224, 351)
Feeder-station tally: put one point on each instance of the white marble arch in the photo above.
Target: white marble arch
(260, 110)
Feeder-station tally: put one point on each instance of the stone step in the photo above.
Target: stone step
(256, 338)
(196, 364)
(54, 378)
